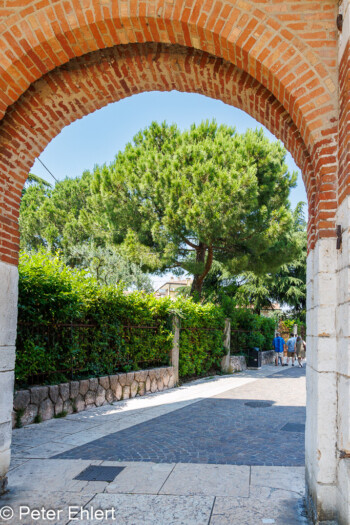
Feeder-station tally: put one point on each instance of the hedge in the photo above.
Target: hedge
(116, 332)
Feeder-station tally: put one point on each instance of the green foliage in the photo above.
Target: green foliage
(52, 297)
(115, 332)
(183, 200)
(201, 337)
(108, 266)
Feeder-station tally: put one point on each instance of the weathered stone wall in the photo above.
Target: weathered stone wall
(8, 325)
(238, 362)
(45, 402)
(268, 357)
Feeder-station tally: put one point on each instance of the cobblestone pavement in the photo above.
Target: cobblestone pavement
(220, 430)
(191, 456)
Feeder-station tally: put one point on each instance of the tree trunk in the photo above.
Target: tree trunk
(197, 285)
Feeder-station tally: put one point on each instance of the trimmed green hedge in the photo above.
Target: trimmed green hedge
(116, 332)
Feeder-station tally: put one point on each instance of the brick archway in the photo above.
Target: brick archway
(276, 60)
(89, 83)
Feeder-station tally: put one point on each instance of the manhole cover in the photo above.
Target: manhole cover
(258, 404)
(294, 427)
(97, 473)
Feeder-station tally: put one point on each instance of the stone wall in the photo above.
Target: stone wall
(40, 403)
(268, 357)
(238, 362)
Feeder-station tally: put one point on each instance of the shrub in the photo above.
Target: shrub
(71, 327)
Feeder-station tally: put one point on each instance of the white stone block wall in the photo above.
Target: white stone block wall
(8, 327)
(321, 379)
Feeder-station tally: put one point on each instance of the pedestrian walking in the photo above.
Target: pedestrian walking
(278, 345)
(300, 347)
(291, 348)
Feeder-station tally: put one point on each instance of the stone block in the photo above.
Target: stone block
(83, 386)
(114, 381)
(21, 399)
(130, 378)
(59, 406)
(171, 383)
(109, 396)
(154, 387)
(6, 395)
(29, 414)
(166, 378)
(122, 379)
(38, 394)
(344, 413)
(5, 458)
(141, 375)
(126, 392)
(148, 384)
(117, 392)
(8, 304)
(74, 389)
(54, 392)
(5, 435)
(64, 391)
(142, 388)
(100, 396)
(152, 374)
(104, 382)
(90, 397)
(160, 384)
(46, 409)
(134, 387)
(79, 403)
(68, 406)
(7, 358)
(93, 384)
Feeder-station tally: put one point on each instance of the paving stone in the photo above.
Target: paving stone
(153, 509)
(140, 478)
(208, 480)
(219, 430)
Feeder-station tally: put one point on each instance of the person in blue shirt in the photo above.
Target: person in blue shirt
(291, 348)
(278, 345)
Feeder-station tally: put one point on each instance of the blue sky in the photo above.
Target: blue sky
(97, 138)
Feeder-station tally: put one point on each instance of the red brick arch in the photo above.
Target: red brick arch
(90, 82)
(285, 49)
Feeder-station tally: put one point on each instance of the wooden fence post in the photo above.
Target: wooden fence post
(176, 347)
(225, 362)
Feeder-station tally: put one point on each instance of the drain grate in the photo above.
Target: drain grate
(294, 427)
(98, 473)
(258, 404)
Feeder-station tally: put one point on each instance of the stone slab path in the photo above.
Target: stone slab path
(204, 453)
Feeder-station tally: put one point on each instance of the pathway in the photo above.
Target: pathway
(218, 451)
